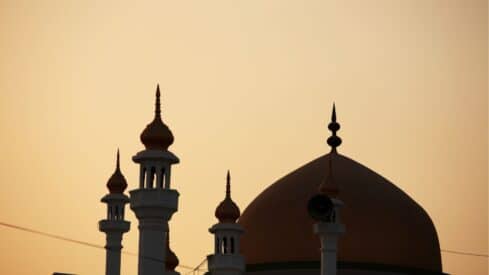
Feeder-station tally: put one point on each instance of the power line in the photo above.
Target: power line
(197, 268)
(464, 253)
(21, 228)
(191, 269)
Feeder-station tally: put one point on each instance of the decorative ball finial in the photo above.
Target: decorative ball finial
(117, 182)
(334, 140)
(227, 211)
(156, 135)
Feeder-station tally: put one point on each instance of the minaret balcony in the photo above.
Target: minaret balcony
(119, 226)
(226, 262)
(154, 203)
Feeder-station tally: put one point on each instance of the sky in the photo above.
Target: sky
(246, 86)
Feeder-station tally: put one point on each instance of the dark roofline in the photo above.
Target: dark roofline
(341, 265)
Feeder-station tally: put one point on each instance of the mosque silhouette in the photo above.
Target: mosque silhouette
(331, 216)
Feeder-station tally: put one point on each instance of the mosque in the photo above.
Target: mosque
(331, 216)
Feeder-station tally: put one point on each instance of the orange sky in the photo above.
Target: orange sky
(247, 85)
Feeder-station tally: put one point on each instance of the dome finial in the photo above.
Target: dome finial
(228, 185)
(118, 166)
(157, 103)
(334, 140)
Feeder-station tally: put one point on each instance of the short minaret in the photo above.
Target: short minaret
(325, 209)
(115, 225)
(226, 259)
(154, 202)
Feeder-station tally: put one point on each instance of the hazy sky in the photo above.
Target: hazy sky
(247, 86)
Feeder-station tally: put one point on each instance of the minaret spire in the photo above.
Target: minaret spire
(334, 140)
(158, 103)
(118, 166)
(228, 185)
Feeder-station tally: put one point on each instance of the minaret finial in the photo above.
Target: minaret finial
(118, 166)
(228, 185)
(334, 140)
(157, 103)
(333, 115)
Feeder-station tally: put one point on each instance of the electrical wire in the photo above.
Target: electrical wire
(191, 269)
(21, 228)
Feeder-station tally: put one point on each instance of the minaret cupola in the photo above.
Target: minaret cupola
(117, 182)
(157, 135)
(227, 211)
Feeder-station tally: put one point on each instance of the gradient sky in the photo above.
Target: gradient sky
(247, 86)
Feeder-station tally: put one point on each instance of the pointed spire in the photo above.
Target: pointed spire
(157, 103)
(334, 140)
(118, 166)
(333, 115)
(228, 185)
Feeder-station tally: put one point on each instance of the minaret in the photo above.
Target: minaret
(226, 259)
(325, 208)
(154, 202)
(115, 225)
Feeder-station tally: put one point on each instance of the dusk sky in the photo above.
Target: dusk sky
(246, 86)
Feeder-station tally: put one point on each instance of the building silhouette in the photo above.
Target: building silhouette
(331, 216)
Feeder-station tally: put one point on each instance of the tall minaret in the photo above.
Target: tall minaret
(154, 202)
(115, 225)
(325, 208)
(226, 259)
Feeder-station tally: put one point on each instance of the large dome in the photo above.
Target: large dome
(385, 228)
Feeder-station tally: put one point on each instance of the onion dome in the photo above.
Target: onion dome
(227, 211)
(386, 230)
(171, 261)
(117, 182)
(156, 135)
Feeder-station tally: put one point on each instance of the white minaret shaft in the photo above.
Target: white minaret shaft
(154, 202)
(329, 233)
(226, 259)
(114, 226)
(113, 254)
